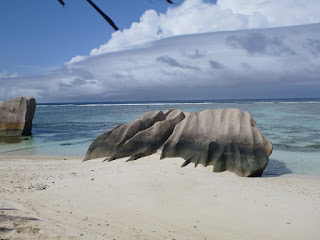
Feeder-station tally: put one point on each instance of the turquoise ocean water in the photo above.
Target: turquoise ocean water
(293, 126)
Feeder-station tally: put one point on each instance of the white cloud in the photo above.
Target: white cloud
(198, 16)
(277, 13)
(77, 59)
(280, 62)
(155, 58)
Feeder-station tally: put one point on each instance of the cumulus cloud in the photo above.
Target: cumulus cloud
(196, 50)
(235, 64)
(276, 13)
(314, 46)
(215, 64)
(171, 62)
(259, 43)
(199, 16)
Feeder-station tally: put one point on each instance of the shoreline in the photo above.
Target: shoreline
(52, 198)
(276, 167)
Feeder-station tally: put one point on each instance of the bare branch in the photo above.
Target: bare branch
(103, 15)
(112, 24)
(62, 3)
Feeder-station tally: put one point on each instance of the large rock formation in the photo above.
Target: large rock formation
(16, 116)
(228, 139)
(141, 137)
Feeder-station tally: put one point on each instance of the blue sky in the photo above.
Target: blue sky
(38, 35)
(193, 50)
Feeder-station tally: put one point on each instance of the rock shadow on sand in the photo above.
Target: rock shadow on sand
(19, 224)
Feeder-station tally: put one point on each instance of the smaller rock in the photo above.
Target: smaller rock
(16, 116)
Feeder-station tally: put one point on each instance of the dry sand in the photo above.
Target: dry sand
(53, 198)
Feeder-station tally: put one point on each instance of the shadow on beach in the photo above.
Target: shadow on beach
(15, 224)
(276, 168)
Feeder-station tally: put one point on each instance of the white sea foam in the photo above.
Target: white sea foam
(125, 104)
(176, 103)
(300, 102)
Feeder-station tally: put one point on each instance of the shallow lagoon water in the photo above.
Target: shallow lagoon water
(293, 126)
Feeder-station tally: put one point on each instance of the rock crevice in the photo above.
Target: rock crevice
(228, 139)
(16, 116)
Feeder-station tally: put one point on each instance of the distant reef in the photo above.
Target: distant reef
(16, 116)
(228, 139)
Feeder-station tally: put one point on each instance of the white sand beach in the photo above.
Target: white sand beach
(64, 198)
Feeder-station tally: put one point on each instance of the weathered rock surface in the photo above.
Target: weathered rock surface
(109, 143)
(148, 141)
(228, 139)
(16, 116)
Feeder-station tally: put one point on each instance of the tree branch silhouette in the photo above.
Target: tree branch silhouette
(108, 19)
(103, 15)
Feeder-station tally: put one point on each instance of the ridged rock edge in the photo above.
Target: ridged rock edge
(228, 139)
